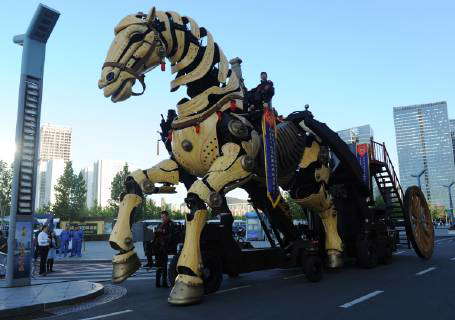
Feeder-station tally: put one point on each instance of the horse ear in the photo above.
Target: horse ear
(152, 15)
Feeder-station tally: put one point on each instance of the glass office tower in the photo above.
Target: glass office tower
(452, 133)
(361, 134)
(424, 141)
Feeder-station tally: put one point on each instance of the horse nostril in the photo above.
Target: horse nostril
(110, 76)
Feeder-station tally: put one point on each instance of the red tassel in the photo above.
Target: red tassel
(169, 136)
(233, 105)
(163, 66)
(219, 114)
(198, 128)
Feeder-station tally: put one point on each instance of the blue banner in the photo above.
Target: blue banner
(270, 156)
(362, 154)
(23, 250)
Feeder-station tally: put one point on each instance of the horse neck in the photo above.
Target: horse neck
(200, 67)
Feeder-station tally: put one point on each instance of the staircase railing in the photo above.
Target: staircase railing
(379, 154)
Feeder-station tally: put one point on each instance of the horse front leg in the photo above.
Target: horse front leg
(138, 183)
(227, 171)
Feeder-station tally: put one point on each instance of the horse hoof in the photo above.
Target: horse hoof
(334, 259)
(124, 265)
(187, 290)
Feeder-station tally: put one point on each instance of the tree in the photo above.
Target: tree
(78, 194)
(62, 206)
(118, 185)
(6, 180)
(70, 194)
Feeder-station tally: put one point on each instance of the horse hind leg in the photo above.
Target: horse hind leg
(313, 178)
(322, 203)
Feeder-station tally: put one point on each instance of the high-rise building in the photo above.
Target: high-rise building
(452, 134)
(55, 142)
(361, 134)
(104, 172)
(424, 143)
(48, 174)
(87, 173)
(238, 207)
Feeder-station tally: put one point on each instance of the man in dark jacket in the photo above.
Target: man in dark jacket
(263, 93)
(164, 241)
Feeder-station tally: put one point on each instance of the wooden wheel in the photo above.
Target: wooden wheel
(419, 226)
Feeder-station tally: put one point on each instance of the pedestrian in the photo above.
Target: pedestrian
(43, 248)
(3, 243)
(53, 245)
(71, 242)
(64, 241)
(164, 236)
(148, 251)
(78, 236)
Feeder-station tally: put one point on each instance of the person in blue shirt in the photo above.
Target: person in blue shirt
(64, 241)
(78, 236)
(72, 241)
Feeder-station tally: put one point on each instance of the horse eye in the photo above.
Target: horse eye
(136, 37)
(110, 76)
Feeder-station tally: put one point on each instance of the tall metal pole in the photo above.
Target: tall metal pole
(418, 177)
(27, 145)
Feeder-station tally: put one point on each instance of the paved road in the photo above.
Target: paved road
(409, 288)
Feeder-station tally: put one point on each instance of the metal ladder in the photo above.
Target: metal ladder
(389, 186)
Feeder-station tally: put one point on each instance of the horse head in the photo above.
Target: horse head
(137, 48)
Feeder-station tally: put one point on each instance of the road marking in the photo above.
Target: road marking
(425, 271)
(232, 289)
(399, 252)
(293, 277)
(361, 299)
(108, 315)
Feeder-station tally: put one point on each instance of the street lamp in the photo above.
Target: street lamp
(23, 192)
(449, 189)
(418, 177)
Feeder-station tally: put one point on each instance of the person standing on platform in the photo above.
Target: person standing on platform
(64, 241)
(43, 248)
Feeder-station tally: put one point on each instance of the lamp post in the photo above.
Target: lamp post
(23, 192)
(418, 177)
(449, 189)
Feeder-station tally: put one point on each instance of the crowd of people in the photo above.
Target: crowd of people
(49, 246)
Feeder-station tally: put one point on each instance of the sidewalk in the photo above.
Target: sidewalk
(39, 297)
(99, 251)
(443, 232)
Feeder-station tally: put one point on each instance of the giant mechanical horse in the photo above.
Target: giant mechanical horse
(215, 147)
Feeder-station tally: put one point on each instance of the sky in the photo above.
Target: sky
(351, 61)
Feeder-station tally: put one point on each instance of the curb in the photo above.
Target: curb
(35, 309)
